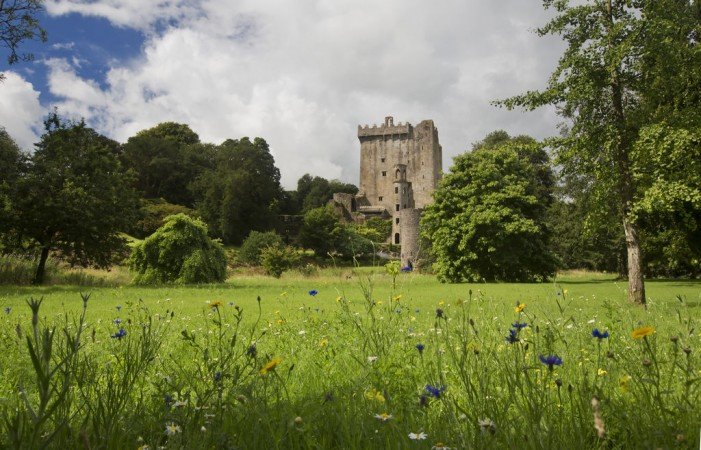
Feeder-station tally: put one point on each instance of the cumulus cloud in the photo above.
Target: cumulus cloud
(304, 74)
(19, 110)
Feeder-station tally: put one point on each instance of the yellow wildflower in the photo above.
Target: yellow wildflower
(323, 343)
(601, 372)
(216, 304)
(270, 365)
(441, 303)
(412, 319)
(623, 382)
(338, 299)
(640, 333)
(520, 307)
(376, 395)
(397, 298)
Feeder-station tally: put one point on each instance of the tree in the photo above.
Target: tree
(179, 252)
(314, 192)
(321, 230)
(628, 64)
(153, 214)
(487, 221)
(250, 251)
(11, 165)
(74, 199)
(242, 193)
(18, 23)
(167, 159)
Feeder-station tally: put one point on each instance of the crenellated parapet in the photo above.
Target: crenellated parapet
(385, 129)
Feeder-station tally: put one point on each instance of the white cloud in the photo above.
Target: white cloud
(19, 110)
(304, 74)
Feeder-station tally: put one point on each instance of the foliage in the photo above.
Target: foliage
(375, 229)
(628, 66)
(153, 213)
(11, 167)
(73, 200)
(252, 247)
(488, 216)
(242, 192)
(167, 159)
(19, 23)
(276, 259)
(315, 192)
(179, 252)
(321, 230)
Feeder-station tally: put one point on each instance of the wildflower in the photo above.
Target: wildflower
(203, 429)
(252, 351)
(216, 304)
(8, 310)
(512, 338)
(420, 348)
(231, 303)
(601, 372)
(372, 359)
(217, 377)
(298, 421)
(418, 436)
(487, 424)
(324, 342)
(118, 308)
(313, 292)
(435, 391)
(384, 417)
(172, 429)
(407, 269)
(119, 334)
(397, 297)
(439, 313)
(519, 325)
(640, 333)
(599, 335)
(270, 365)
(178, 404)
(302, 332)
(168, 400)
(375, 395)
(117, 321)
(440, 446)
(551, 360)
(520, 307)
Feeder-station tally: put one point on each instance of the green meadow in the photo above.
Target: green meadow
(370, 360)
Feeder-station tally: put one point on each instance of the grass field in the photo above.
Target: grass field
(367, 362)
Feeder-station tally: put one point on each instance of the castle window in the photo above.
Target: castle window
(379, 198)
(384, 173)
(396, 190)
(382, 160)
(396, 238)
(396, 220)
(397, 206)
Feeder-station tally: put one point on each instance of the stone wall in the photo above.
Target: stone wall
(409, 238)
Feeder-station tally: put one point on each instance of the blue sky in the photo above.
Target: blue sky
(303, 75)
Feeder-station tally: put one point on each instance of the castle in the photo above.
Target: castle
(400, 167)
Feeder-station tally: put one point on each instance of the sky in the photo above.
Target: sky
(301, 74)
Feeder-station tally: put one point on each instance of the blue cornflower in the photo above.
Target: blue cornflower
(551, 360)
(231, 303)
(168, 400)
(118, 308)
(8, 310)
(117, 321)
(420, 348)
(217, 377)
(313, 292)
(599, 335)
(119, 334)
(512, 338)
(435, 391)
(519, 325)
(407, 269)
(439, 313)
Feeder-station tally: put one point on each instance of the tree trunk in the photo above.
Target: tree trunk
(39, 275)
(636, 286)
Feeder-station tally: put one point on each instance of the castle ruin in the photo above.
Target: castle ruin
(400, 168)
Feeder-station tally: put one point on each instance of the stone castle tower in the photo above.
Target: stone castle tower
(400, 167)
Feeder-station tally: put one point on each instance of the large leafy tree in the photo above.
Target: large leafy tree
(167, 159)
(242, 193)
(628, 65)
(314, 192)
(11, 167)
(487, 221)
(74, 198)
(18, 23)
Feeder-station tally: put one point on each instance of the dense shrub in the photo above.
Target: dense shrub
(179, 252)
(153, 213)
(278, 258)
(250, 251)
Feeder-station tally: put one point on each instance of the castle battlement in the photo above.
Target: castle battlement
(387, 128)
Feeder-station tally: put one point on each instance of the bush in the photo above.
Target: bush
(252, 247)
(153, 214)
(278, 258)
(179, 252)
